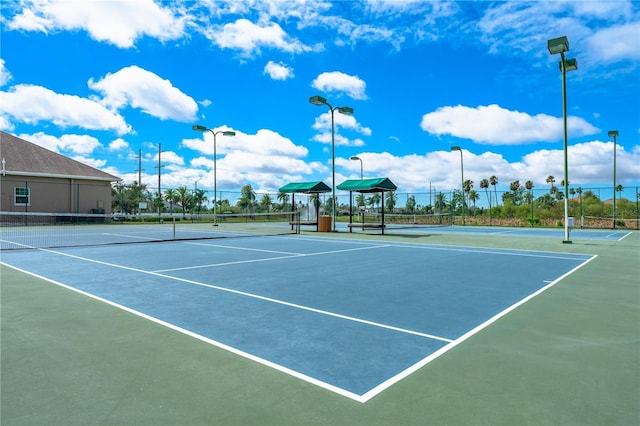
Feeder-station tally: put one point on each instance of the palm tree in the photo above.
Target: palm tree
(493, 180)
(484, 184)
(516, 190)
(375, 199)
(551, 180)
(410, 207)
(440, 203)
(247, 197)
(467, 185)
(360, 200)
(199, 198)
(183, 196)
(473, 196)
(171, 196)
(529, 185)
(283, 197)
(391, 199)
(265, 202)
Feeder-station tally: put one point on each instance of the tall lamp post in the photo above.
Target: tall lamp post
(319, 100)
(356, 158)
(199, 128)
(614, 133)
(561, 45)
(457, 148)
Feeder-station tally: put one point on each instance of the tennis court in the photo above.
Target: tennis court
(355, 315)
(577, 233)
(353, 330)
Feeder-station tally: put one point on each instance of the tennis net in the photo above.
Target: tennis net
(47, 230)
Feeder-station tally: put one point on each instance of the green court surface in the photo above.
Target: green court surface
(570, 355)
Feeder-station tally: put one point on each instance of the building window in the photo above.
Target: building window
(22, 196)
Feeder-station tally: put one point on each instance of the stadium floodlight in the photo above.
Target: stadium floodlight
(614, 134)
(558, 45)
(199, 128)
(457, 148)
(561, 45)
(356, 158)
(319, 101)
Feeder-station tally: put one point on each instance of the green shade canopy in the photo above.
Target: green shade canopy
(368, 185)
(305, 188)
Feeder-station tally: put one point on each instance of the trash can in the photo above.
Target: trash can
(324, 224)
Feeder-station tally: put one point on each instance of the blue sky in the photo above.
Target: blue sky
(101, 81)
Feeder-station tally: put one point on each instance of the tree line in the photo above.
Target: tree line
(519, 203)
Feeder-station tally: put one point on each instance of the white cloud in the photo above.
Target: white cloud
(5, 124)
(278, 71)
(494, 125)
(170, 159)
(526, 26)
(266, 158)
(616, 43)
(5, 75)
(248, 37)
(76, 145)
(264, 142)
(143, 89)
(118, 144)
(589, 162)
(33, 104)
(118, 22)
(323, 122)
(347, 122)
(336, 81)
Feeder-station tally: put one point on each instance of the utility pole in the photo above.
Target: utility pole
(139, 166)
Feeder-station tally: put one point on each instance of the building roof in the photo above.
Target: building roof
(23, 158)
(368, 185)
(305, 187)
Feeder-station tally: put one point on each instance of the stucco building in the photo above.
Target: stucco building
(34, 179)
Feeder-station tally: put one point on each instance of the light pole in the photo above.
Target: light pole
(319, 100)
(356, 158)
(199, 128)
(457, 148)
(561, 45)
(614, 133)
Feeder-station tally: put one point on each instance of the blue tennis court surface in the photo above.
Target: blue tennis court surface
(351, 316)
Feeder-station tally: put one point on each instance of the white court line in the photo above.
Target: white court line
(256, 296)
(237, 262)
(360, 398)
(213, 342)
(191, 243)
(624, 236)
(340, 391)
(386, 384)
